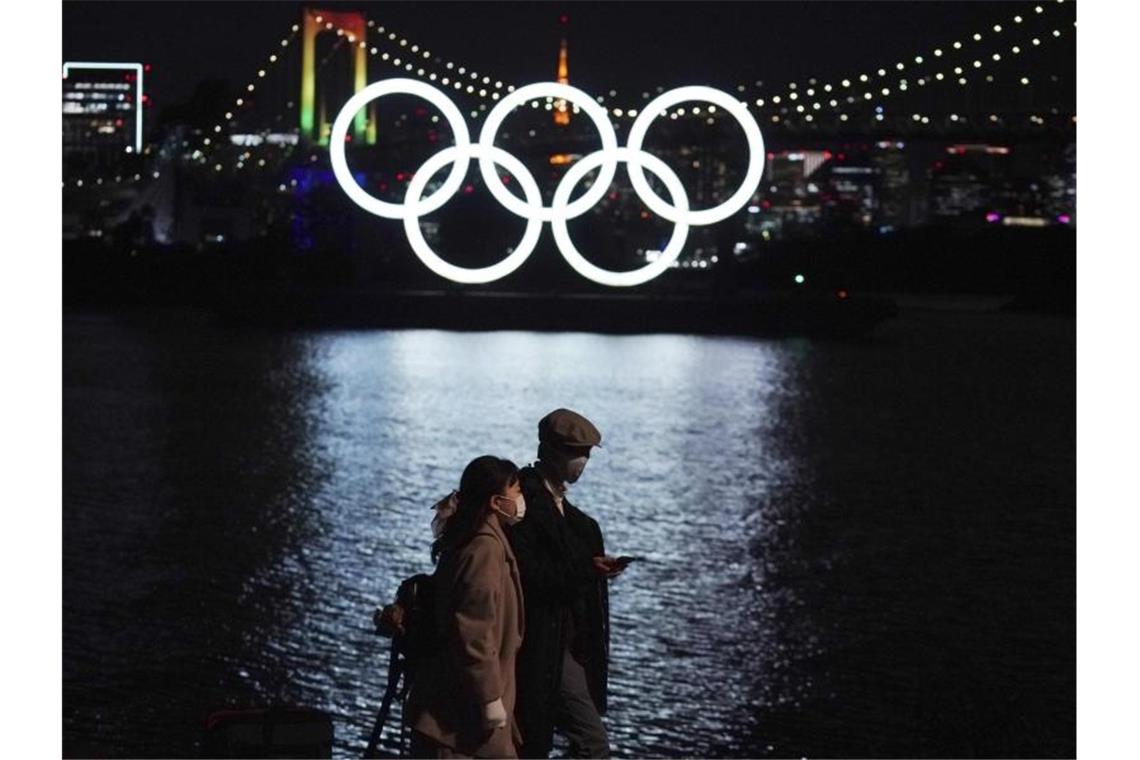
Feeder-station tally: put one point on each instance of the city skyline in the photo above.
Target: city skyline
(988, 131)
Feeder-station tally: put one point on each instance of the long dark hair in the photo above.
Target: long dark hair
(484, 477)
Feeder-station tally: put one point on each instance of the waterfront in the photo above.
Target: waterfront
(861, 548)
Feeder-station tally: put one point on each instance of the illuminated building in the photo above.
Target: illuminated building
(102, 109)
(852, 196)
(792, 191)
(967, 182)
(893, 207)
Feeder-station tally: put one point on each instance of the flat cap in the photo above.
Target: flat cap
(563, 427)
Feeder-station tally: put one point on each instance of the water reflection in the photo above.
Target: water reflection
(187, 474)
(821, 525)
(282, 485)
(684, 421)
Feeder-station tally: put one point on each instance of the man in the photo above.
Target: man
(562, 667)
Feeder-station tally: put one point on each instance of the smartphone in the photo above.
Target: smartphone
(625, 560)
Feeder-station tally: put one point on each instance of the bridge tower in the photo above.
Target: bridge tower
(315, 22)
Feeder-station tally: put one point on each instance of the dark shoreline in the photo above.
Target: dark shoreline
(774, 314)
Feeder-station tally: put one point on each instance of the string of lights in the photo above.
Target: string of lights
(244, 102)
(943, 53)
(961, 61)
(463, 79)
(979, 64)
(448, 73)
(208, 144)
(411, 58)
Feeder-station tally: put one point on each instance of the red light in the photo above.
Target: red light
(613, 196)
(146, 68)
(506, 179)
(118, 122)
(563, 19)
(842, 156)
(421, 111)
(644, 214)
(146, 98)
(399, 176)
(383, 185)
(348, 138)
(827, 155)
(841, 294)
(771, 156)
(468, 189)
(765, 204)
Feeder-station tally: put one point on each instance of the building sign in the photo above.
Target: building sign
(102, 104)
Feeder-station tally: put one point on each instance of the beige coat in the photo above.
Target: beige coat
(479, 608)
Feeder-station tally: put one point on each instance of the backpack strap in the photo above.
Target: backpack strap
(395, 670)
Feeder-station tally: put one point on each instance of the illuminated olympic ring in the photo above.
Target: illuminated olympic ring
(530, 208)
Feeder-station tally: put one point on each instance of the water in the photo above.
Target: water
(853, 548)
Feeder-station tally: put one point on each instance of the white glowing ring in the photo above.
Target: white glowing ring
(755, 155)
(369, 202)
(561, 209)
(590, 271)
(464, 154)
(597, 115)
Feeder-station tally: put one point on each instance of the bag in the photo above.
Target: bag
(410, 648)
(421, 636)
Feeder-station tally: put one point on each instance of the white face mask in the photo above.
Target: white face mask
(520, 511)
(574, 468)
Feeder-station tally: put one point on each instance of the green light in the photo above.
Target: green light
(799, 279)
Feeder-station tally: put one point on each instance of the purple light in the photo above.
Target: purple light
(1064, 219)
(992, 217)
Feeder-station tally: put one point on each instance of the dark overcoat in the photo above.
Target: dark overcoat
(567, 604)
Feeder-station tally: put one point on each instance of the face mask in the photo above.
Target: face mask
(574, 467)
(520, 511)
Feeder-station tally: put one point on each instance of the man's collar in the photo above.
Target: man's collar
(553, 482)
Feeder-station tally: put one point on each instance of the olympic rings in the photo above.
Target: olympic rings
(561, 209)
(596, 113)
(755, 154)
(412, 220)
(398, 87)
(562, 235)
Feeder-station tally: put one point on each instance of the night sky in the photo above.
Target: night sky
(626, 46)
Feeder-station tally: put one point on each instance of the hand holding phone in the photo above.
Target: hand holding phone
(611, 567)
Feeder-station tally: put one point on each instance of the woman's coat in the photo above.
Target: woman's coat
(479, 611)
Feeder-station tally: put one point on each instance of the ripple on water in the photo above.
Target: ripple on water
(267, 491)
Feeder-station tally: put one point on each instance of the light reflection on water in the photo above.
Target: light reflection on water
(685, 448)
(304, 467)
(236, 503)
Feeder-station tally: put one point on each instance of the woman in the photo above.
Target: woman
(462, 702)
